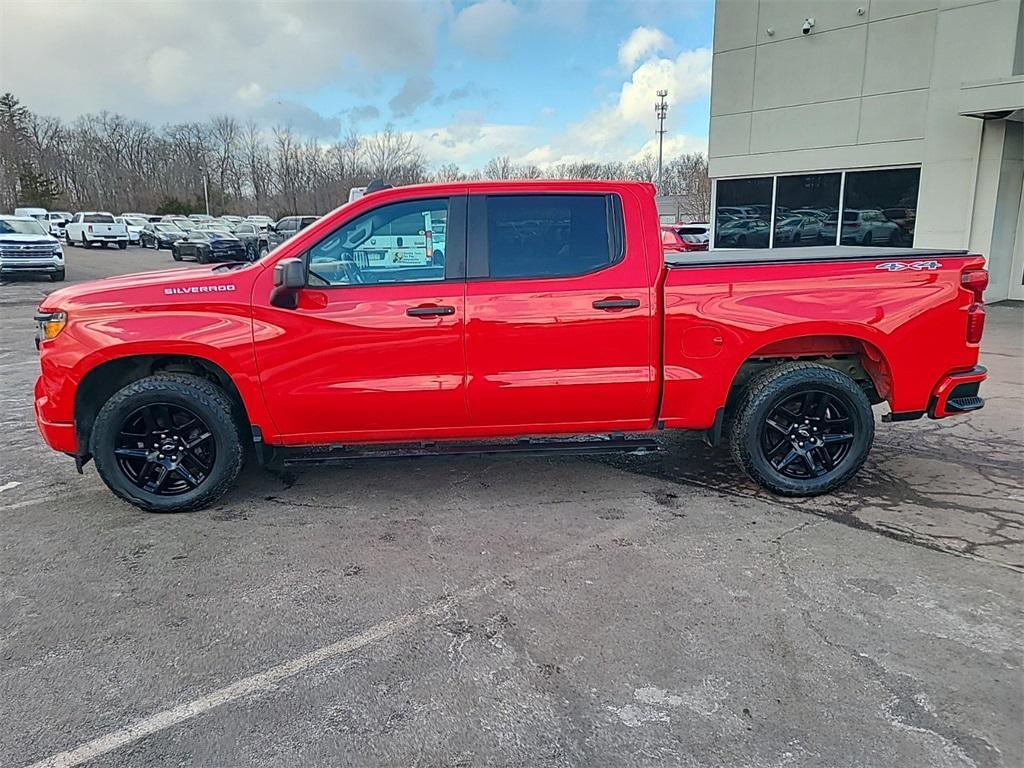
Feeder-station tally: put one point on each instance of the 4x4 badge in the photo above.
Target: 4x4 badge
(899, 266)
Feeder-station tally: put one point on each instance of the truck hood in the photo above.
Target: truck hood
(19, 239)
(148, 288)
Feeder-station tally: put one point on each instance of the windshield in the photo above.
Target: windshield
(98, 218)
(20, 227)
(693, 235)
(135, 221)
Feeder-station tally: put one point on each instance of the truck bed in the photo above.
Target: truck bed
(723, 257)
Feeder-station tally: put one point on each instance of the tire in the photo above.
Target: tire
(250, 252)
(201, 256)
(58, 276)
(774, 453)
(264, 250)
(123, 245)
(85, 243)
(178, 396)
(175, 254)
(867, 239)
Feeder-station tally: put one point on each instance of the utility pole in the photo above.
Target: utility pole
(206, 191)
(660, 110)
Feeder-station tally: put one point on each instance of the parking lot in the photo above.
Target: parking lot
(627, 611)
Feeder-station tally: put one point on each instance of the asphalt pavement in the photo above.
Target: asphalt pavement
(498, 611)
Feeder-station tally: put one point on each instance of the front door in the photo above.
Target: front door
(559, 318)
(375, 349)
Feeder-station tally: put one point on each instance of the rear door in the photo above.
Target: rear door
(558, 315)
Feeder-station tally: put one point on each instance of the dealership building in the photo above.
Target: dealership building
(878, 122)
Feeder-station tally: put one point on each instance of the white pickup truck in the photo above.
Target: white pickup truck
(91, 227)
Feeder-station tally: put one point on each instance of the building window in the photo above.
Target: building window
(743, 210)
(803, 205)
(880, 207)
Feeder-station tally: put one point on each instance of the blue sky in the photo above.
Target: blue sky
(540, 80)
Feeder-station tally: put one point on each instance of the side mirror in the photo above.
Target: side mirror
(289, 274)
(271, 228)
(289, 277)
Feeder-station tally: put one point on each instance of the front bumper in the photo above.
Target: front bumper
(9, 267)
(958, 393)
(60, 436)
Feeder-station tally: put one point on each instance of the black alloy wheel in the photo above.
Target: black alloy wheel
(802, 428)
(807, 435)
(170, 442)
(165, 449)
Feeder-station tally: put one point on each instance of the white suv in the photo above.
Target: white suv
(26, 247)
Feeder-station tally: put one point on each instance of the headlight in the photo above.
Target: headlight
(59, 253)
(51, 324)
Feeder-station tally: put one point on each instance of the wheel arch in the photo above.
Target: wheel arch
(102, 381)
(858, 357)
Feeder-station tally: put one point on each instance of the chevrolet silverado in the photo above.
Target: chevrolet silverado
(517, 316)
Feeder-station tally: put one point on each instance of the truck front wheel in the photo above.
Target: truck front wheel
(802, 429)
(168, 443)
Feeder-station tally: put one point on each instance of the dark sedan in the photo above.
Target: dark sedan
(159, 235)
(254, 240)
(209, 246)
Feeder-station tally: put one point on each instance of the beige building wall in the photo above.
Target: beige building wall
(879, 83)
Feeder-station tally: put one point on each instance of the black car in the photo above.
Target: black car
(287, 227)
(208, 246)
(159, 235)
(254, 239)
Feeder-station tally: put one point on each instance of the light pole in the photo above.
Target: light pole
(206, 191)
(660, 110)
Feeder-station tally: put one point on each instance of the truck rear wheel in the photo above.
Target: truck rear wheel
(168, 443)
(802, 429)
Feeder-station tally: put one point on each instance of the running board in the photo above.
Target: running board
(329, 454)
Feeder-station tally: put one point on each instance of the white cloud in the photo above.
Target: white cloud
(641, 43)
(162, 61)
(471, 142)
(482, 28)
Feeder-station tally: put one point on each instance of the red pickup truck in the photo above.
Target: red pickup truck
(503, 317)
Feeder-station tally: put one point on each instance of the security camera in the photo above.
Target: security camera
(808, 26)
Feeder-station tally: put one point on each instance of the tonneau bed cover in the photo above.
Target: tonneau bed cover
(724, 257)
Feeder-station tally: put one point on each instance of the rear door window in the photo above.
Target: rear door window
(538, 236)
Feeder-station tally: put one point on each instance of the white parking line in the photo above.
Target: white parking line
(9, 486)
(266, 680)
(248, 686)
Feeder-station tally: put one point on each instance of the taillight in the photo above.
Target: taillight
(90, 228)
(975, 323)
(976, 281)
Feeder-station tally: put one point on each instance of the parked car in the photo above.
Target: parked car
(862, 227)
(684, 237)
(56, 221)
(36, 213)
(134, 225)
(744, 233)
(199, 217)
(231, 219)
(560, 322)
(96, 227)
(26, 247)
(259, 220)
(287, 227)
(253, 238)
(181, 222)
(206, 246)
(160, 234)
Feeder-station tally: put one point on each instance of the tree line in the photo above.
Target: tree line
(110, 162)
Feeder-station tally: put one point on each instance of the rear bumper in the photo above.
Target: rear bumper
(958, 393)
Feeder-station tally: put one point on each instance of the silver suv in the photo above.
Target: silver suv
(26, 247)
